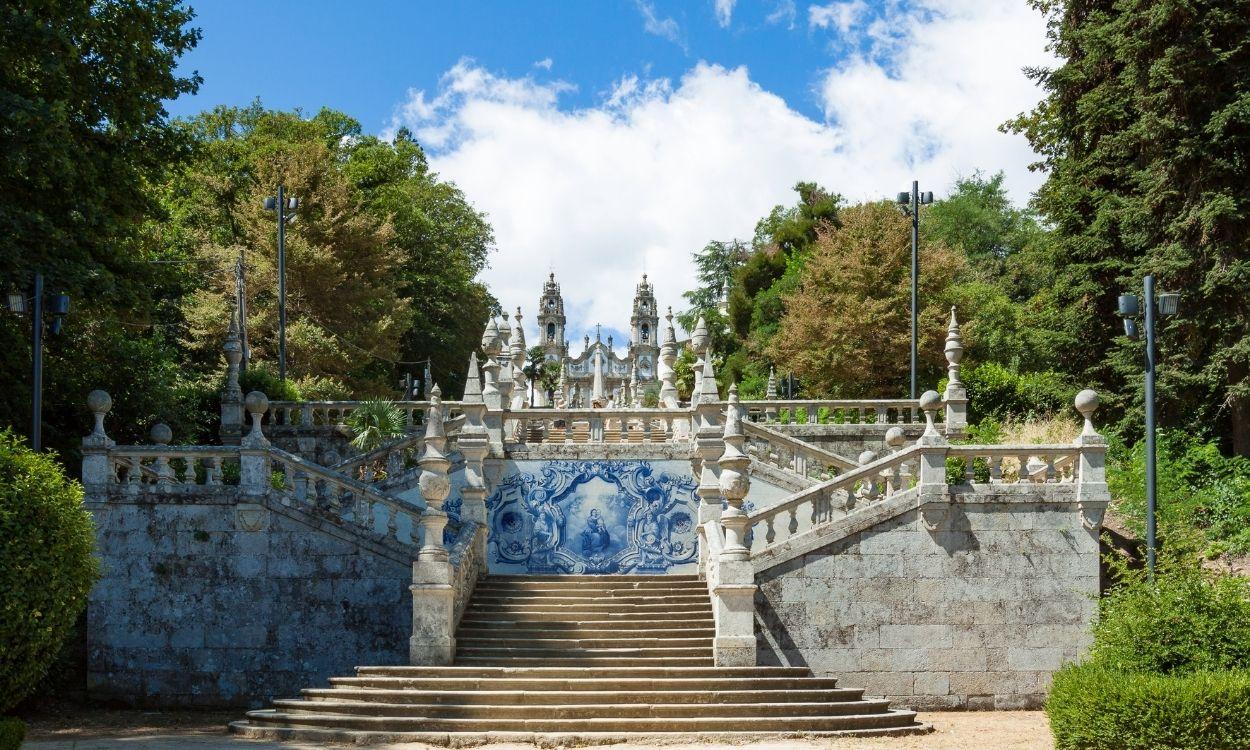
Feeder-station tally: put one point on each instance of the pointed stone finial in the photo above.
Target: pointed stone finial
(771, 392)
(490, 336)
(433, 481)
(472, 382)
(670, 336)
(954, 350)
(699, 339)
(709, 390)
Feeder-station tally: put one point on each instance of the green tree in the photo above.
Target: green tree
(83, 133)
(1145, 135)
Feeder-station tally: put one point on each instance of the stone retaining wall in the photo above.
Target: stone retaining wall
(975, 614)
(208, 601)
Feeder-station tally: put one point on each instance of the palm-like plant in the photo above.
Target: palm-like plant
(375, 422)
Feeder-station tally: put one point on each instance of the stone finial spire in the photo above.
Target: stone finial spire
(668, 357)
(771, 392)
(561, 387)
(954, 351)
(635, 398)
(955, 396)
(491, 347)
(520, 390)
(231, 393)
(433, 481)
(699, 342)
(709, 391)
(96, 468)
(734, 480)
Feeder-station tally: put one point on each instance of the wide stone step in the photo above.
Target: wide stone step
(626, 710)
(474, 614)
(562, 587)
(516, 634)
(459, 671)
(586, 579)
(506, 653)
(558, 643)
(582, 697)
(632, 598)
(599, 623)
(588, 683)
(597, 724)
(589, 661)
(606, 607)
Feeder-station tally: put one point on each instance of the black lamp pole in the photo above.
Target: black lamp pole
(911, 203)
(280, 207)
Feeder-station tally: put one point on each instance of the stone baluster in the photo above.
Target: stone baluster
(868, 490)
(212, 471)
(1091, 469)
(160, 434)
(433, 596)
(474, 445)
(231, 394)
(732, 580)
(955, 396)
(254, 468)
(97, 468)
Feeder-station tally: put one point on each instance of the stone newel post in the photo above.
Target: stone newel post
(232, 394)
(520, 390)
(709, 443)
(433, 596)
(254, 467)
(733, 579)
(699, 341)
(492, 345)
(474, 445)
(955, 396)
(934, 495)
(96, 470)
(1091, 490)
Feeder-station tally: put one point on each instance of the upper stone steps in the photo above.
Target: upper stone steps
(596, 658)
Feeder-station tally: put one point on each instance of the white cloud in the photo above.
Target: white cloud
(665, 28)
(784, 11)
(724, 11)
(841, 16)
(657, 168)
(544, 63)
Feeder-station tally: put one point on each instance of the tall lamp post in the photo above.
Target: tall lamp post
(1164, 304)
(911, 203)
(58, 308)
(281, 206)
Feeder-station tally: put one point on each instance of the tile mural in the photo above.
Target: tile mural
(597, 516)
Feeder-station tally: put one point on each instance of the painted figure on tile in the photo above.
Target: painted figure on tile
(595, 538)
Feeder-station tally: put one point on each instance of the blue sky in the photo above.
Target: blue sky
(605, 139)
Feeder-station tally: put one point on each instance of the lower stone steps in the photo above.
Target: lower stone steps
(579, 660)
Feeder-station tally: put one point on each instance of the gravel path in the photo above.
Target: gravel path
(96, 729)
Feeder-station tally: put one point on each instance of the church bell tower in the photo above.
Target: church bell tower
(645, 324)
(551, 321)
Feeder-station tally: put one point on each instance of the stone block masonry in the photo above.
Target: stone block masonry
(208, 601)
(977, 613)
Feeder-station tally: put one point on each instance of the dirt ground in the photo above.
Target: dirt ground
(99, 729)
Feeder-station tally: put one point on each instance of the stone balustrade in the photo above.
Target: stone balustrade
(825, 502)
(334, 413)
(601, 425)
(161, 468)
(1001, 464)
(777, 449)
(883, 412)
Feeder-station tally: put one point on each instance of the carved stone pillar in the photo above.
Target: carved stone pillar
(668, 356)
(231, 431)
(97, 470)
(955, 396)
(1091, 490)
(709, 444)
(934, 495)
(733, 581)
(254, 466)
(474, 444)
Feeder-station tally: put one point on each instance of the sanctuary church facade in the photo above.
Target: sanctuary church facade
(600, 374)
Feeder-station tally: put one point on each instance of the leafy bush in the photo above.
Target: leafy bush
(999, 392)
(1199, 488)
(12, 732)
(1187, 619)
(46, 566)
(375, 422)
(260, 377)
(1092, 707)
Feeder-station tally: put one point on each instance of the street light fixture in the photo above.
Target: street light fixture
(58, 308)
(911, 203)
(287, 213)
(1165, 304)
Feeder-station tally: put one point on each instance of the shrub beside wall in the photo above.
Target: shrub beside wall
(1095, 708)
(46, 565)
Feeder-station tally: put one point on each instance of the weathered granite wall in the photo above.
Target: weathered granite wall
(205, 601)
(975, 614)
(848, 440)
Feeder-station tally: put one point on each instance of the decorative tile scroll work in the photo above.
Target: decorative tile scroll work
(610, 516)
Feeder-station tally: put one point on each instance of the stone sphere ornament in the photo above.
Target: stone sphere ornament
(930, 400)
(99, 402)
(867, 457)
(161, 434)
(895, 438)
(256, 402)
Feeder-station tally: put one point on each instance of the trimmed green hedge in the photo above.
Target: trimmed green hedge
(12, 732)
(1095, 708)
(46, 565)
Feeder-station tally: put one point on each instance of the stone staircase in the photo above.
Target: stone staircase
(590, 659)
